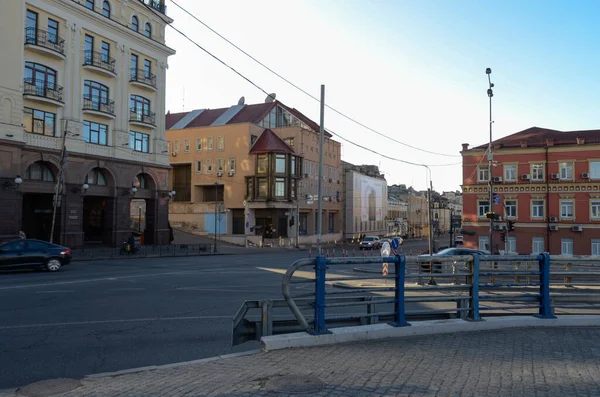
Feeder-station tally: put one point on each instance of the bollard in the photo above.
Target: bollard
(568, 279)
(310, 252)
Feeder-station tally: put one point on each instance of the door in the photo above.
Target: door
(12, 254)
(36, 252)
(282, 227)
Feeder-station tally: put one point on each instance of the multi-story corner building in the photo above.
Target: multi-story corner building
(418, 216)
(257, 165)
(81, 83)
(546, 181)
(397, 217)
(455, 202)
(366, 201)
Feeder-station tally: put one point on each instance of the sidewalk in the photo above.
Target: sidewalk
(513, 362)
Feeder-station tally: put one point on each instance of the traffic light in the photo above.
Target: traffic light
(503, 237)
(511, 226)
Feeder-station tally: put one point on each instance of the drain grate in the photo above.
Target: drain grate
(47, 388)
(294, 384)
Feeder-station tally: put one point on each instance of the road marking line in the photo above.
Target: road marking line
(133, 320)
(126, 289)
(52, 292)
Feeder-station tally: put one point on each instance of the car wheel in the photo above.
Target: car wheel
(53, 264)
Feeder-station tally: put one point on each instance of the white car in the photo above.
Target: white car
(370, 242)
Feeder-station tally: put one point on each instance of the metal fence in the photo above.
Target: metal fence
(144, 251)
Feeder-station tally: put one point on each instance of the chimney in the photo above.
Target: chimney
(580, 140)
(465, 146)
(549, 141)
(523, 143)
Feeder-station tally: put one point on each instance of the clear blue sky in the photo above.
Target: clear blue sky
(414, 70)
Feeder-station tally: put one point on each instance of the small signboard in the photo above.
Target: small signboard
(385, 251)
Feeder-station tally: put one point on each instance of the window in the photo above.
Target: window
(510, 172)
(595, 169)
(42, 77)
(134, 66)
(209, 143)
(220, 143)
(510, 208)
(566, 208)
(289, 141)
(231, 165)
(106, 9)
(537, 172)
(537, 245)
(280, 163)
(52, 31)
(31, 23)
(484, 243)
(95, 177)
(139, 141)
(140, 181)
(293, 189)
(262, 187)
(209, 166)
(262, 163)
(147, 68)
(566, 170)
(39, 122)
(39, 172)
(483, 208)
(253, 139)
(88, 49)
(148, 30)
(566, 246)
(105, 54)
(135, 24)
(176, 145)
(596, 247)
(95, 133)
(198, 166)
(96, 93)
(89, 4)
(140, 105)
(279, 187)
(483, 174)
(186, 145)
(511, 245)
(220, 165)
(537, 208)
(293, 165)
(595, 209)
(198, 144)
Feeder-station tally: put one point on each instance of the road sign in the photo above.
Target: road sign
(385, 251)
(396, 242)
(385, 269)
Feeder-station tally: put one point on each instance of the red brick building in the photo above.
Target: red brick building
(547, 182)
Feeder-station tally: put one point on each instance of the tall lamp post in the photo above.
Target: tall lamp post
(216, 210)
(490, 93)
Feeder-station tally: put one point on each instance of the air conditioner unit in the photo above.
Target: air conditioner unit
(525, 177)
(577, 228)
(585, 175)
(553, 219)
(555, 176)
(219, 173)
(554, 228)
(499, 227)
(230, 173)
(497, 179)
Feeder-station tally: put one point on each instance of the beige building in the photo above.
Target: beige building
(397, 217)
(418, 216)
(81, 83)
(252, 170)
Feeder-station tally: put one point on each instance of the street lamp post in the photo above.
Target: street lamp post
(490, 93)
(216, 209)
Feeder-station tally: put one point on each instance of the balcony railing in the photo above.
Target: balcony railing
(142, 76)
(99, 105)
(44, 39)
(43, 88)
(158, 5)
(100, 60)
(141, 117)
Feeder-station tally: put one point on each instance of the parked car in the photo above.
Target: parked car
(31, 253)
(437, 265)
(370, 242)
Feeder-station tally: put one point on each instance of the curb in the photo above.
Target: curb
(341, 284)
(173, 365)
(420, 328)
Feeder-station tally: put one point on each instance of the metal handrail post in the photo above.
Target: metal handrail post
(474, 290)
(399, 305)
(320, 275)
(545, 310)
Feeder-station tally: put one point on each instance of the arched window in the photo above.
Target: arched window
(148, 30)
(135, 24)
(41, 76)
(95, 177)
(140, 182)
(106, 9)
(39, 171)
(139, 105)
(89, 4)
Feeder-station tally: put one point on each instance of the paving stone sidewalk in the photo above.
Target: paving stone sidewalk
(517, 362)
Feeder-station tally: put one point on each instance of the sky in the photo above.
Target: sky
(411, 70)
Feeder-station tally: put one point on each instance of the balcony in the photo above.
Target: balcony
(103, 108)
(143, 79)
(43, 91)
(145, 119)
(98, 62)
(157, 5)
(44, 42)
(42, 141)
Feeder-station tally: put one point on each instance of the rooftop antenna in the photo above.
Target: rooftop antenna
(242, 101)
(270, 98)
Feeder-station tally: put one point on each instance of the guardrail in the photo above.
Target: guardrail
(322, 293)
(144, 251)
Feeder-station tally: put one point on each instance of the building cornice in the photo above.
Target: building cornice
(535, 188)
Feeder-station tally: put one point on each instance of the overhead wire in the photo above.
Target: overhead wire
(306, 92)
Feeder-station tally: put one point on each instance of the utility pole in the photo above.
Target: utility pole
(430, 205)
(490, 93)
(451, 228)
(59, 180)
(216, 209)
(320, 188)
(297, 220)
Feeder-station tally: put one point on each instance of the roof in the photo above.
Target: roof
(537, 137)
(269, 142)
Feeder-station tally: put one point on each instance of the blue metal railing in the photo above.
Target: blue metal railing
(470, 303)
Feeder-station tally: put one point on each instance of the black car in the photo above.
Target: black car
(31, 253)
